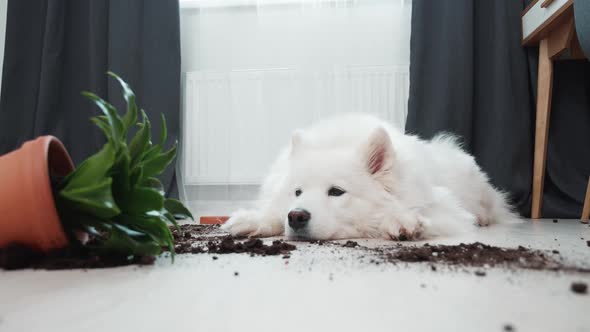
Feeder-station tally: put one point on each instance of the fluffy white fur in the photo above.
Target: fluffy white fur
(395, 185)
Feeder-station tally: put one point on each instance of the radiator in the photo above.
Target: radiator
(235, 123)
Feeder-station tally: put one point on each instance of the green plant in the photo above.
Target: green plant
(114, 195)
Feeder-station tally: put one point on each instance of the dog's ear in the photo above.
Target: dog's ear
(296, 141)
(379, 154)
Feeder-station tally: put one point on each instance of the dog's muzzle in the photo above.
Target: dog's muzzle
(298, 218)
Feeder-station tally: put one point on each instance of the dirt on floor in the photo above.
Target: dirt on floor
(16, 257)
(473, 254)
(197, 239)
(209, 239)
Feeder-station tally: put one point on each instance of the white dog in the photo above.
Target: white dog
(355, 176)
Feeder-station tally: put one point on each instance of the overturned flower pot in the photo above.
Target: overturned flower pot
(111, 207)
(27, 206)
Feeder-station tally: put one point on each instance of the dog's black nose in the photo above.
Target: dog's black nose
(298, 218)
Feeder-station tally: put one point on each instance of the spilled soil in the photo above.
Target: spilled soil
(16, 257)
(192, 239)
(473, 254)
(197, 239)
(579, 287)
(209, 239)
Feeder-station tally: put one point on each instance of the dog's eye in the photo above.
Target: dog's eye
(335, 191)
(298, 192)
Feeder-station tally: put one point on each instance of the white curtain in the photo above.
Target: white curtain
(254, 70)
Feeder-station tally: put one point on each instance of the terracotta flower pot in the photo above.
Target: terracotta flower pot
(27, 211)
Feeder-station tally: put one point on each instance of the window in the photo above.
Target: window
(256, 70)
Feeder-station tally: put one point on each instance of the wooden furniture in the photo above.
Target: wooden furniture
(212, 220)
(586, 209)
(549, 24)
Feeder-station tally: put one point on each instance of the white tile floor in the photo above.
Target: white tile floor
(314, 291)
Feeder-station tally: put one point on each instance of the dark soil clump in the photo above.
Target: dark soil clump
(16, 257)
(252, 246)
(196, 239)
(196, 232)
(579, 288)
(229, 245)
(472, 254)
(350, 244)
(480, 273)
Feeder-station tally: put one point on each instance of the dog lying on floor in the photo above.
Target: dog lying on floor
(355, 176)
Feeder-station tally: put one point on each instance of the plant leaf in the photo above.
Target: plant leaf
(115, 194)
(141, 140)
(74, 221)
(136, 176)
(170, 219)
(142, 200)
(95, 200)
(103, 124)
(92, 169)
(152, 224)
(131, 116)
(158, 164)
(155, 184)
(163, 130)
(177, 209)
(125, 241)
(121, 176)
(151, 153)
(118, 129)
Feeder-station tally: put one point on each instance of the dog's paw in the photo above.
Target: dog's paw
(252, 223)
(407, 228)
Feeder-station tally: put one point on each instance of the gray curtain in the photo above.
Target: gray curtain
(57, 48)
(469, 75)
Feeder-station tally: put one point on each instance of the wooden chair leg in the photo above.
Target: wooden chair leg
(545, 81)
(586, 210)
